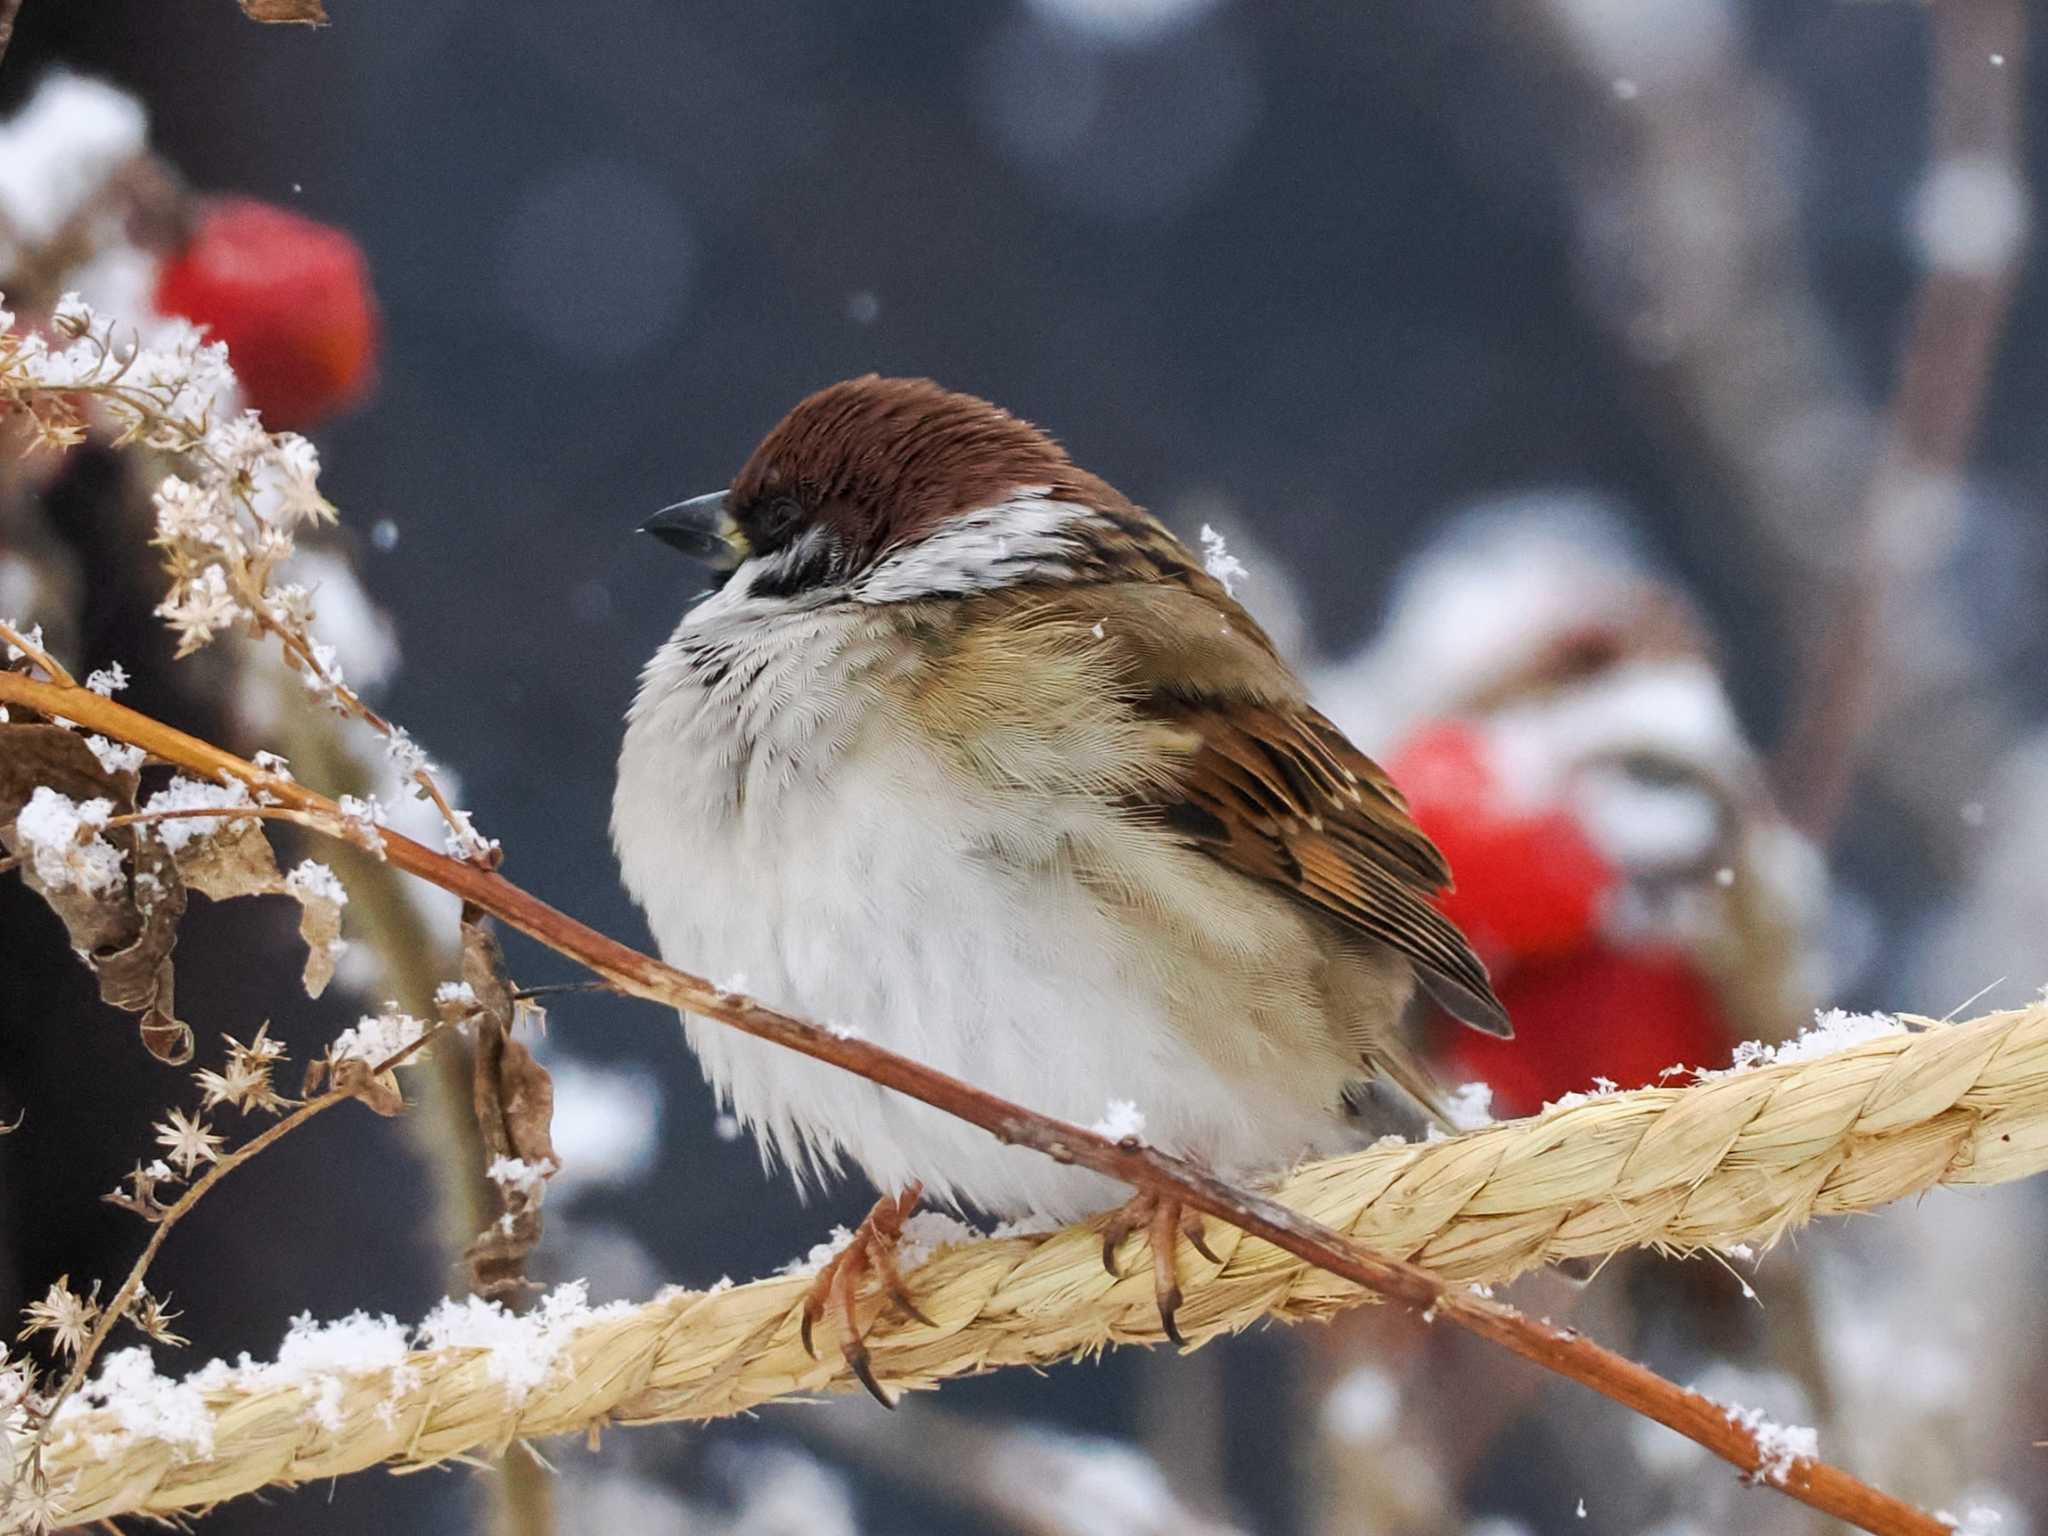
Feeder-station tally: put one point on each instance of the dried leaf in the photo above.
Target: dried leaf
(167, 1037)
(353, 1075)
(309, 13)
(126, 936)
(320, 927)
(515, 1108)
(234, 858)
(230, 860)
(33, 755)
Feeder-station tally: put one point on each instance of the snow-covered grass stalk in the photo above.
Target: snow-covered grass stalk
(229, 509)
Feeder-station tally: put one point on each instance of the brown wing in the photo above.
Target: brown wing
(1262, 782)
(1279, 794)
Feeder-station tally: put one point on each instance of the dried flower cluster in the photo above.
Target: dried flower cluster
(227, 517)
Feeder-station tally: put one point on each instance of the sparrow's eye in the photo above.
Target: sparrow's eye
(776, 521)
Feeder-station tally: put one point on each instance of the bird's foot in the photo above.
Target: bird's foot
(1163, 1219)
(873, 1248)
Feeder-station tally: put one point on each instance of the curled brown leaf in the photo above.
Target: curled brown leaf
(125, 935)
(515, 1107)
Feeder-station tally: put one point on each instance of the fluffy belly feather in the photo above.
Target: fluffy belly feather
(840, 869)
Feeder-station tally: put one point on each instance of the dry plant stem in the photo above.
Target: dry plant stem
(228, 812)
(1558, 1349)
(177, 1210)
(35, 653)
(1930, 426)
(352, 702)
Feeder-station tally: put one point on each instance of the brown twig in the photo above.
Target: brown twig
(1562, 1350)
(116, 1309)
(1931, 423)
(223, 813)
(14, 637)
(353, 703)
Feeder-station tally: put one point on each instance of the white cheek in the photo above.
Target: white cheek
(1028, 536)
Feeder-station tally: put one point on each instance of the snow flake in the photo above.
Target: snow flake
(64, 845)
(183, 794)
(108, 680)
(377, 1037)
(1121, 1119)
(116, 756)
(1219, 562)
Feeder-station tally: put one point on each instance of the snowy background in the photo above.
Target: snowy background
(1470, 326)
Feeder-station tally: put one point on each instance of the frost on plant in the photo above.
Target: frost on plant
(228, 516)
(63, 839)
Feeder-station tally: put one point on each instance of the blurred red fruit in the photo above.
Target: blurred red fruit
(292, 300)
(1528, 882)
(1624, 1016)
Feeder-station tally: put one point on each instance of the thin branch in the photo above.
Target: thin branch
(354, 704)
(110, 1317)
(1562, 1350)
(227, 812)
(52, 668)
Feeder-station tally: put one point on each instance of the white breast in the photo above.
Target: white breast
(786, 840)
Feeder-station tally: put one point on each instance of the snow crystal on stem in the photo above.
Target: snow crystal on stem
(185, 794)
(1120, 1119)
(1777, 1445)
(108, 680)
(517, 1176)
(314, 881)
(361, 819)
(116, 756)
(62, 840)
(463, 841)
(33, 635)
(377, 1037)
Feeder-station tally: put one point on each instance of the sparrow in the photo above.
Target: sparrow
(966, 753)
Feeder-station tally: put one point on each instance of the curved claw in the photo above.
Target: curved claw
(1163, 1221)
(1165, 1272)
(852, 1347)
(1191, 1229)
(873, 1247)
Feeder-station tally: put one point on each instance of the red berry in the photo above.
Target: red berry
(1528, 881)
(292, 300)
(1621, 1015)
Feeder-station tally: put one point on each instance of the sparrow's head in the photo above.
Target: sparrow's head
(880, 490)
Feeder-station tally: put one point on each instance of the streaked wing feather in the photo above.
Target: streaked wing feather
(1279, 794)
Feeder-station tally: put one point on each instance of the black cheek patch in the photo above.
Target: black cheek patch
(804, 567)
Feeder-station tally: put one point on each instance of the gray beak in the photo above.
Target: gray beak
(702, 529)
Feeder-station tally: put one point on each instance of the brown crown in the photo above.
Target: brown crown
(886, 460)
